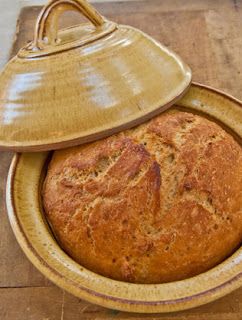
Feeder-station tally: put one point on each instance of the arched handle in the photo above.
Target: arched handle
(46, 29)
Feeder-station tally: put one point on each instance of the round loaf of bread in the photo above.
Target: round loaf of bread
(157, 203)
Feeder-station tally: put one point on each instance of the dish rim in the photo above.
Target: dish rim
(131, 305)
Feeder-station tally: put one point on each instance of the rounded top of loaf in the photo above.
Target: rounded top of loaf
(157, 203)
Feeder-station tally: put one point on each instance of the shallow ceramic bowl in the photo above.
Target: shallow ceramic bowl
(34, 236)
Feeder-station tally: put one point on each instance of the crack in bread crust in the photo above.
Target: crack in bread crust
(151, 204)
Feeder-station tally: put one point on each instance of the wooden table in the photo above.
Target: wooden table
(207, 34)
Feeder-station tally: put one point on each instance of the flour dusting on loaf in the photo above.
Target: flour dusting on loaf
(157, 203)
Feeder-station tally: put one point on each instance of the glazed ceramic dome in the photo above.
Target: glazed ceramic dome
(84, 82)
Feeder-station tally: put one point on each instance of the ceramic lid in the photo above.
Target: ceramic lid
(84, 82)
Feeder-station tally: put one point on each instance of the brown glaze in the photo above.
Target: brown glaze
(161, 202)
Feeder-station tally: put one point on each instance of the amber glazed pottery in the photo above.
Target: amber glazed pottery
(84, 82)
(34, 236)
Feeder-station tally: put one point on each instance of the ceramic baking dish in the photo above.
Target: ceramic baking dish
(35, 238)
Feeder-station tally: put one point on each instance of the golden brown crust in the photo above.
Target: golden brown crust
(157, 203)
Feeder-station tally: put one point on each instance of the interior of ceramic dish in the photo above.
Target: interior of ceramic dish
(35, 238)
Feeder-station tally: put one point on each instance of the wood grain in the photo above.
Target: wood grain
(53, 303)
(207, 34)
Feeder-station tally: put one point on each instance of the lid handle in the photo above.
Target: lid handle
(46, 29)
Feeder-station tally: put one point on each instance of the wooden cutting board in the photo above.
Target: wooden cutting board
(207, 34)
